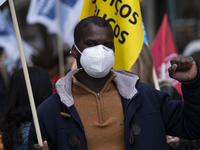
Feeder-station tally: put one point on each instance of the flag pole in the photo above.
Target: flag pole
(163, 70)
(163, 48)
(60, 56)
(25, 70)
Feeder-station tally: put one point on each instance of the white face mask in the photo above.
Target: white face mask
(97, 61)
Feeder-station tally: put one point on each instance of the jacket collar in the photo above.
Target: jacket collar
(125, 82)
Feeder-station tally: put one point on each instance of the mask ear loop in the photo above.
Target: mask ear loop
(77, 48)
(79, 52)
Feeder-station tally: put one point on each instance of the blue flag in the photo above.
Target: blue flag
(58, 16)
(9, 42)
(4, 26)
(2, 1)
(144, 34)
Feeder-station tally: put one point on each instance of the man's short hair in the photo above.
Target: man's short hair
(101, 22)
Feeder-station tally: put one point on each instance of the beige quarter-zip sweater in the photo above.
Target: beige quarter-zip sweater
(101, 115)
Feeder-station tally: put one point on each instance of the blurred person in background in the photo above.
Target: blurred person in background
(69, 61)
(196, 57)
(50, 64)
(143, 67)
(15, 124)
(4, 79)
(68, 65)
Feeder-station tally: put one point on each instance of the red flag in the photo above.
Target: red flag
(163, 50)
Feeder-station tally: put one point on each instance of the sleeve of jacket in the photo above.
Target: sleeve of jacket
(182, 119)
(189, 144)
(44, 114)
(32, 138)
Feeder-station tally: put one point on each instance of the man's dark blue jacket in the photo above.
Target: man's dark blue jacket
(149, 115)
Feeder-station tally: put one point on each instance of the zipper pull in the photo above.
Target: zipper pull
(98, 95)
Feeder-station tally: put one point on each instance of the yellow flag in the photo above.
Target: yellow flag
(126, 21)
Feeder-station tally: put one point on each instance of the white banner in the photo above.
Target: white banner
(9, 42)
(58, 16)
(2, 1)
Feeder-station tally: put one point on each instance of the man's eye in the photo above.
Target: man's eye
(109, 46)
(91, 44)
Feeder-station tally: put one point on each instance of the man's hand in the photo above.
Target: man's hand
(183, 69)
(173, 141)
(39, 147)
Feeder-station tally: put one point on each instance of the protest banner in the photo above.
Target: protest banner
(126, 20)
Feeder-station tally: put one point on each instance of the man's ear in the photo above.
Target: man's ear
(74, 52)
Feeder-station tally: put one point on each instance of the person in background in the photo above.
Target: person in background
(143, 67)
(167, 87)
(68, 61)
(4, 79)
(16, 121)
(49, 62)
(196, 57)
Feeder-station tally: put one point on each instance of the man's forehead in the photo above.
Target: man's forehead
(92, 29)
(91, 26)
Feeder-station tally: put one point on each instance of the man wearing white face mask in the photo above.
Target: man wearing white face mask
(97, 61)
(100, 108)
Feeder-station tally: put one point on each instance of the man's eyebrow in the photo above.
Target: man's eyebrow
(109, 42)
(90, 40)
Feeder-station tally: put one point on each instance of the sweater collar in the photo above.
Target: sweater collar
(125, 82)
